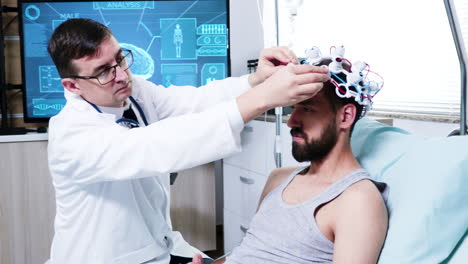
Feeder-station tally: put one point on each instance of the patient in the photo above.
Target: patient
(327, 212)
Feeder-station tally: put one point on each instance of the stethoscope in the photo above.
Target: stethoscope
(128, 122)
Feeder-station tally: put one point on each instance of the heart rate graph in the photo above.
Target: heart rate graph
(44, 107)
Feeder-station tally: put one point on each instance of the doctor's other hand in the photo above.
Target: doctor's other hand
(287, 86)
(293, 84)
(197, 259)
(270, 60)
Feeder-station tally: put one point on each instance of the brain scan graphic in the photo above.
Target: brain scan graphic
(143, 63)
(173, 43)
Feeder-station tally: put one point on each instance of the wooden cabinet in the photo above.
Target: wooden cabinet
(27, 204)
(193, 206)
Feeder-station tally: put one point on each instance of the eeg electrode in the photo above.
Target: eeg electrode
(354, 83)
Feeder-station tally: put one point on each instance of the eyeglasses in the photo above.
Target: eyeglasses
(109, 73)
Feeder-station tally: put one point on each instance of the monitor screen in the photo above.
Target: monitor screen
(173, 42)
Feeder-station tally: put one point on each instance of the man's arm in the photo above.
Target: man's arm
(361, 227)
(277, 176)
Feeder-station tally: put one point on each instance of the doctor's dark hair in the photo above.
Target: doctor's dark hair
(74, 39)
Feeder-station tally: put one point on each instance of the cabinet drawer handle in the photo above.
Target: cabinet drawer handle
(248, 129)
(246, 180)
(243, 228)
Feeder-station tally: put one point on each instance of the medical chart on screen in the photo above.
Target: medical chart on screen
(173, 43)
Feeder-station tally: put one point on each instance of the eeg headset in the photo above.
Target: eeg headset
(354, 83)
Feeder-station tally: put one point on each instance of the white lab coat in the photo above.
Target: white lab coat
(111, 183)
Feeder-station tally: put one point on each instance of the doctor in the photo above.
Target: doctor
(111, 181)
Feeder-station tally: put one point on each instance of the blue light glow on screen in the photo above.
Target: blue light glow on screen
(173, 42)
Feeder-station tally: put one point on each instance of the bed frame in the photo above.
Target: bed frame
(458, 38)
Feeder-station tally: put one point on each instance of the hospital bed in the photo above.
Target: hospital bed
(428, 184)
(428, 196)
(427, 179)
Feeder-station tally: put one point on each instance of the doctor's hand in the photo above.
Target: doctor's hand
(197, 259)
(287, 86)
(271, 60)
(292, 84)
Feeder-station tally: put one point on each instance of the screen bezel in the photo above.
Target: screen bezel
(26, 117)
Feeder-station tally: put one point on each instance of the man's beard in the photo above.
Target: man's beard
(315, 149)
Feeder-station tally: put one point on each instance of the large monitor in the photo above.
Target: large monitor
(174, 42)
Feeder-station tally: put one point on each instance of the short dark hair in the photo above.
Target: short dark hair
(336, 102)
(74, 39)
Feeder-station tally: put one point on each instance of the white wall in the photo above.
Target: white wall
(246, 34)
(308, 30)
(246, 42)
(426, 128)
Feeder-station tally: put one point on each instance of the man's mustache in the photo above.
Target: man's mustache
(297, 132)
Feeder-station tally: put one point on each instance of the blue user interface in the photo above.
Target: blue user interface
(173, 43)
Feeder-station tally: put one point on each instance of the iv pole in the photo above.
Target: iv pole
(278, 110)
(292, 6)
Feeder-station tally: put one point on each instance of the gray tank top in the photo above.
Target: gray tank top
(287, 234)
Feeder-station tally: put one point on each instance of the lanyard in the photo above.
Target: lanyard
(128, 122)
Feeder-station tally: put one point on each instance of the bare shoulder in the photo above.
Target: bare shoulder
(362, 224)
(361, 191)
(277, 176)
(363, 197)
